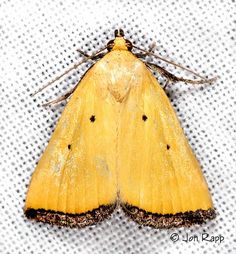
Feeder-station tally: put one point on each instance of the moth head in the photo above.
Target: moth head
(119, 33)
(119, 43)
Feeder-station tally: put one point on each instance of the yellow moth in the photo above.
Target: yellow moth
(119, 143)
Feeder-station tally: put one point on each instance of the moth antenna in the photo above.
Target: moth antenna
(67, 71)
(61, 98)
(168, 61)
(173, 78)
(57, 78)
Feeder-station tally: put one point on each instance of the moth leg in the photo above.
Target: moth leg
(98, 56)
(143, 55)
(95, 57)
(166, 84)
(171, 77)
(61, 98)
(83, 53)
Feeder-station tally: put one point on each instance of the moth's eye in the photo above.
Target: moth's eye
(167, 147)
(128, 45)
(110, 45)
(119, 33)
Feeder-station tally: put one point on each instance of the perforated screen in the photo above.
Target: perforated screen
(38, 40)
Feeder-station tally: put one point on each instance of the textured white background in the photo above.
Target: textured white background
(38, 40)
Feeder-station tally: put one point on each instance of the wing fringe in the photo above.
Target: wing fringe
(156, 220)
(71, 220)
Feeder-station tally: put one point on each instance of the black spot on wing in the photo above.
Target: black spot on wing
(144, 117)
(92, 118)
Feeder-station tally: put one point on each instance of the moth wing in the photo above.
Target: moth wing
(161, 183)
(74, 182)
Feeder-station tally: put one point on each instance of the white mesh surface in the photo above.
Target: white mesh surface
(39, 40)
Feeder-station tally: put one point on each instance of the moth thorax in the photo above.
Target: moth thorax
(119, 86)
(119, 44)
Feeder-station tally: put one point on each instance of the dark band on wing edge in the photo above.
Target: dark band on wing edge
(156, 220)
(71, 220)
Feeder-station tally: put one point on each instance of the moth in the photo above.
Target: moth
(119, 143)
